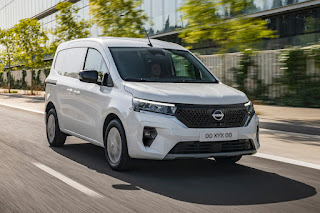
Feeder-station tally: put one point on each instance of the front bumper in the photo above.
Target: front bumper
(171, 131)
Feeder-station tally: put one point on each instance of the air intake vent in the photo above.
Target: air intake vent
(211, 147)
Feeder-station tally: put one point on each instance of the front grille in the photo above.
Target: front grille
(196, 147)
(200, 116)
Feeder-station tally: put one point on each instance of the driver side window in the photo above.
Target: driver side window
(95, 61)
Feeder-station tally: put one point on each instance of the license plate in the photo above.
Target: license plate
(219, 135)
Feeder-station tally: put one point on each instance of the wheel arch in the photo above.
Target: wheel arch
(111, 116)
(49, 106)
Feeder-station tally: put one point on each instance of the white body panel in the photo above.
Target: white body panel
(82, 108)
(186, 93)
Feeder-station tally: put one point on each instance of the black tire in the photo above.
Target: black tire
(125, 160)
(59, 137)
(228, 160)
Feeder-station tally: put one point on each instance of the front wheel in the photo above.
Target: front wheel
(228, 160)
(54, 135)
(116, 149)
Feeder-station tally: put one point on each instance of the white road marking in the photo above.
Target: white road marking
(288, 160)
(22, 108)
(68, 181)
(289, 133)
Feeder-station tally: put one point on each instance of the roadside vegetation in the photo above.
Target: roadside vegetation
(222, 23)
(69, 26)
(119, 18)
(8, 52)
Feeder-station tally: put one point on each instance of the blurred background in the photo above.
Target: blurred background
(266, 48)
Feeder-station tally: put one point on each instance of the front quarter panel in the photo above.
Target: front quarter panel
(119, 104)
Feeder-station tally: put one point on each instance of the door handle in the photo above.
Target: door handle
(69, 90)
(77, 92)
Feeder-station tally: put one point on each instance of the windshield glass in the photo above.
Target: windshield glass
(159, 65)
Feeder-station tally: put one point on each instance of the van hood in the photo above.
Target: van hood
(186, 93)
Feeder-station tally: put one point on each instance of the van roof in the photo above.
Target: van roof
(127, 42)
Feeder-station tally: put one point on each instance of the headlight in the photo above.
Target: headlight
(152, 106)
(250, 109)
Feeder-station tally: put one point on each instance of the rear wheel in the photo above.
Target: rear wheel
(116, 149)
(54, 135)
(228, 160)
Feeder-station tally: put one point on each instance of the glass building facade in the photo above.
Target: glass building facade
(294, 27)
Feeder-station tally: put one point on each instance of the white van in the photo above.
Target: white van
(147, 100)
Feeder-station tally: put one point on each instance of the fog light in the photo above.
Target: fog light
(248, 144)
(149, 134)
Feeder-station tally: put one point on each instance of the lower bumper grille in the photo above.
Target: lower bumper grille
(196, 147)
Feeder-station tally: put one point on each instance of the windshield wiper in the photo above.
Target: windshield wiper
(138, 79)
(183, 81)
(192, 81)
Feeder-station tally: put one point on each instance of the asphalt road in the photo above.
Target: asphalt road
(75, 178)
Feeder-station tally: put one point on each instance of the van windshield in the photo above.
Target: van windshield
(159, 65)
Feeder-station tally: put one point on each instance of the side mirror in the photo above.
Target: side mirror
(89, 76)
(107, 80)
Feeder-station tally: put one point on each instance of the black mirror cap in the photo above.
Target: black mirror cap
(107, 80)
(89, 76)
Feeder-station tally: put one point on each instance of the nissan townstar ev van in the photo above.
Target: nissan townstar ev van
(146, 100)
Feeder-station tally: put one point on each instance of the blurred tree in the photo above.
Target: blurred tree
(315, 53)
(311, 24)
(247, 77)
(122, 18)
(68, 28)
(302, 83)
(1, 78)
(277, 3)
(31, 42)
(291, 2)
(23, 80)
(7, 55)
(223, 22)
(167, 25)
(151, 31)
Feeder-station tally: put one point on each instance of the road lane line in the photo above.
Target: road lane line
(22, 108)
(68, 181)
(288, 133)
(288, 160)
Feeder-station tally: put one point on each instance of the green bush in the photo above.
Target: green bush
(46, 72)
(247, 71)
(21, 83)
(303, 88)
(1, 79)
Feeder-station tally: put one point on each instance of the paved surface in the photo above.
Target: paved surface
(23, 101)
(291, 145)
(297, 116)
(37, 178)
